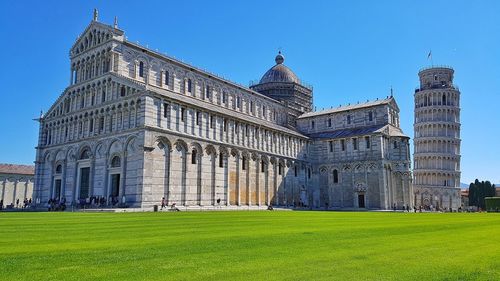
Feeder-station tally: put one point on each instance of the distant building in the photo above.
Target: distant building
(464, 194)
(17, 183)
(497, 191)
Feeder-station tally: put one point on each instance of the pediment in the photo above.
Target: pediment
(393, 103)
(95, 34)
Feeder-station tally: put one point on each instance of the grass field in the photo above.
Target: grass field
(249, 246)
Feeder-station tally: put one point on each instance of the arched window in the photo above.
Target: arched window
(193, 156)
(167, 78)
(85, 154)
(141, 69)
(122, 91)
(262, 166)
(309, 173)
(115, 162)
(335, 176)
(444, 99)
(58, 169)
(280, 167)
(189, 85)
(395, 144)
(207, 91)
(243, 163)
(348, 119)
(221, 160)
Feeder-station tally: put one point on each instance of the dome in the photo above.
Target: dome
(279, 72)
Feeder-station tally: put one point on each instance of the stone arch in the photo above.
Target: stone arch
(115, 146)
(179, 168)
(162, 181)
(195, 175)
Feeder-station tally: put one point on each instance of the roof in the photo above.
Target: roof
(279, 73)
(359, 131)
(347, 107)
(17, 169)
(235, 114)
(199, 71)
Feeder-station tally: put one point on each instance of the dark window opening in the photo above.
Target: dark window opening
(141, 69)
(193, 156)
(85, 154)
(116, 162)
(367, 140)
(221, 160)
(331, 145)
(335, 176)
(355, 143)
(243, 163)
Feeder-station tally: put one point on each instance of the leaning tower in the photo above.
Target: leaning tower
(437, 140)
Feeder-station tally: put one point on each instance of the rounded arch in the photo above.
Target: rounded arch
(163, 143)
(84, 154)
(115, 146)
(130, 143)
(115, 161)
(210, 150)
(180, 144)
(335, 175)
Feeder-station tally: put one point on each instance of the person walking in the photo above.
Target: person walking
(162, 203)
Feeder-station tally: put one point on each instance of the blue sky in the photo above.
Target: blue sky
(349, 51)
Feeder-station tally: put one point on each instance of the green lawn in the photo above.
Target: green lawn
(249, 246)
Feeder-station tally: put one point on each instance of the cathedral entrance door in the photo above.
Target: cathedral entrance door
(361, 200)
(57, 188)
(84, 182)
(115, 185)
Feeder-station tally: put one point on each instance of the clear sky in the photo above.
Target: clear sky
(349, 51)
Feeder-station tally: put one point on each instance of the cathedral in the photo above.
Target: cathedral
(135, 126)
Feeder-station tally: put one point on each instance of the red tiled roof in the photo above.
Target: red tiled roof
(17, 169)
